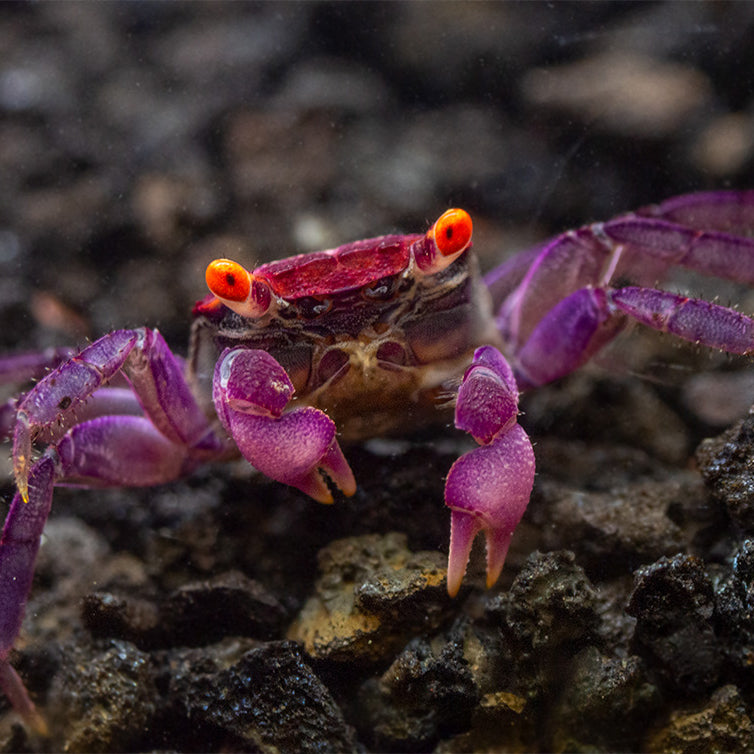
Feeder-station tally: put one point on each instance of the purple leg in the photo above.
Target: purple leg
(691, 319)
(157, 380)
(585, 321)
(488, 488)
(250, 392)
(106, 451)
(708, 232)
(18, 549)
(24, 367)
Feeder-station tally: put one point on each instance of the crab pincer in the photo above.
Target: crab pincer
(250, 392)
(488, 488)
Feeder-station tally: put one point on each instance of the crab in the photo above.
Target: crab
(291, 359)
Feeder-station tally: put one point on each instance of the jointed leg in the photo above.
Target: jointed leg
(157, 379)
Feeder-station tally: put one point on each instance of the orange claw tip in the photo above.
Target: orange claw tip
(228, 280)
(498, 542)
(463, 529)
(452, 231)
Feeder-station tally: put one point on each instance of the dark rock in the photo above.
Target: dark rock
(269, 700)
(734, 613)
(612, 411)
(551, 604)
(372, 595)
(14, 739)
(673, 603)
(103, 701)
(549, 614)
(613, 532)
(424, 695)
(603, 704)
(727, 465)
(501, 722)
(722, 724)
(195, 614)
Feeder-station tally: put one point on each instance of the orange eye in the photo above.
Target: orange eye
(228, 280)
(453, 231)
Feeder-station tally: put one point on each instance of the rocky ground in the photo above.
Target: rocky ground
(224, 612)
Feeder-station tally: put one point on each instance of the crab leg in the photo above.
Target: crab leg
(251, 390)
(488, 488)
(18, 550)
(706, 232)
(106, 451)
(574, 330)
(157, 379)
(23, 367)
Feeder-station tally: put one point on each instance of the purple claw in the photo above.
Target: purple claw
(250, 392)
(489, 487)
(488, 490)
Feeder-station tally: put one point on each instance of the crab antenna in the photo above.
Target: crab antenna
(444, 242)
(237, 288)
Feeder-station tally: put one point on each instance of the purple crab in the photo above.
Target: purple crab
(290, 359)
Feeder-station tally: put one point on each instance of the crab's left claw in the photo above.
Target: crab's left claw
(489, 487)
(250, 392)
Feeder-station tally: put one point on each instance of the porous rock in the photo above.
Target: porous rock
(372, 595)
(197, 613)
(734, 613)
(103, 701)
(727, 465)
(269, 699)
(615, 531)
(426, 693)
(603, 702)
(673, 603)
(722, 724)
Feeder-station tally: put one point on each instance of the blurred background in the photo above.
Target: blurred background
(140, 140)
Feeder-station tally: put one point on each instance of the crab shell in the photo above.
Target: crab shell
(362, 331)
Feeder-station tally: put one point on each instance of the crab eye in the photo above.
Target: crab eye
(445, 241)
(452, 231)
(237, 289)
(228, 280)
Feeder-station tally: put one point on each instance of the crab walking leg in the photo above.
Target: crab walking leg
(18, 550)
(692, 319)
(709, 233)
(488, 488)
(23, 367)
(574, 330)
(104, 452)
(156, 376)
(250, 392)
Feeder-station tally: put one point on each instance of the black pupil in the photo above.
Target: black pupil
(230, 279)
(449, 232)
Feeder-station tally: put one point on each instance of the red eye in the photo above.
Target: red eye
(453, 231)
(228, 280)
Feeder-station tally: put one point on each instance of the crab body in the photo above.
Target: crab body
(358, 333)
(369, 338)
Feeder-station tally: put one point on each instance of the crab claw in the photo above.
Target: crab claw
(294, 449)
(250, 392)
(488, 488)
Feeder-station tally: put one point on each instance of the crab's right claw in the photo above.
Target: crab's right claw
(489, 487)
(250, 392)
